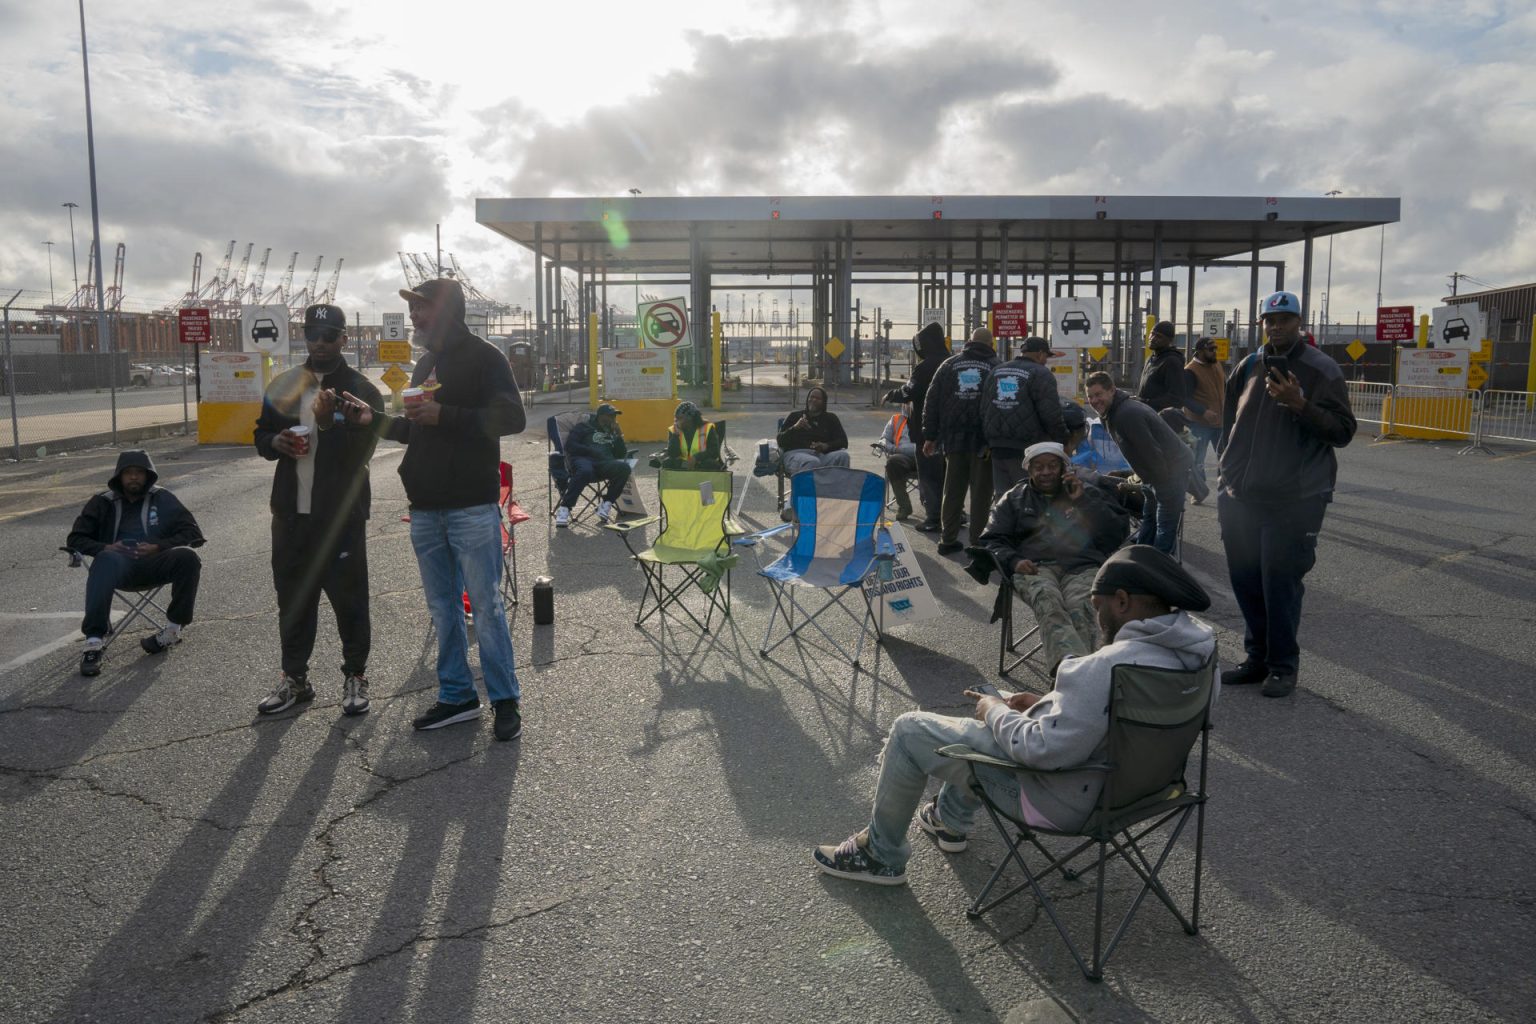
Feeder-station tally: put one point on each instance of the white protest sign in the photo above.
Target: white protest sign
(906, 595)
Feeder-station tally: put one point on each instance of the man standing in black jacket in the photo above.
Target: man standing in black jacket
(1155, 452)
(320, 502)
(137, 535)
(451, 472)
(952, 425)
(1162, 380)
(1020, 408)
(1287, 409)
(931, 352)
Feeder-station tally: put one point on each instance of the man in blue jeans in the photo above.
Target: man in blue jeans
(452, 479)
(1155, 452)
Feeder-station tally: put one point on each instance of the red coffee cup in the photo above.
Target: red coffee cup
(413, 396)
(300, 440)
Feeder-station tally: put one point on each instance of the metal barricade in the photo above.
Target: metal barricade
(1508, 416)
(1368, 400)
(1432, 413)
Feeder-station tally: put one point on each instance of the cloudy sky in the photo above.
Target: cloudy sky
(350, 129)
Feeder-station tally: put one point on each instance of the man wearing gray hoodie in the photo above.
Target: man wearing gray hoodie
(1142, 599)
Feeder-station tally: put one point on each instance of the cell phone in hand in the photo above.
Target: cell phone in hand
(988, 689)
(1276, 363)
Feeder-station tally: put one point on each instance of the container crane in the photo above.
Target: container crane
(253, 293)
(280, 293)
(329, 295)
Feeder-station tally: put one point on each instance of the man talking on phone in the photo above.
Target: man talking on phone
(1142, 599)
(1287, 409)
(316, 424)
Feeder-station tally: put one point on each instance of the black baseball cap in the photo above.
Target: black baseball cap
(606, 410)
(1034, 343)
(323, 314)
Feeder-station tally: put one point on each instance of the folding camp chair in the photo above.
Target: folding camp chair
(1155, 716)
(558, 428)
(696, 533)
(981, 568)
(773, 465)
(840, 540)
(142, 603)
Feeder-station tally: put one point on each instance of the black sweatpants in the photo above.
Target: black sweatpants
(180, 567)
(311, 554)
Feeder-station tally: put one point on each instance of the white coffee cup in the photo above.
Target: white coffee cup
(413, 396)
(301, 439)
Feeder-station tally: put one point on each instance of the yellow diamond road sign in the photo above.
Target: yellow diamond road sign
(1356, 349)
(1477, 376)
(835, 348)
(394, 378)
(1098, 353)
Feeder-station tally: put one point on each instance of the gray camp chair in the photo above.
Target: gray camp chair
(1155, 717)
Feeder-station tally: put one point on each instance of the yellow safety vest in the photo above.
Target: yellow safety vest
(700, 443)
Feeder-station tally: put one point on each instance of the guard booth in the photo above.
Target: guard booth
(520, 355)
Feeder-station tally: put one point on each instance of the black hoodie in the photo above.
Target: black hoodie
(456, 463)
(163, 520)
(931, 351)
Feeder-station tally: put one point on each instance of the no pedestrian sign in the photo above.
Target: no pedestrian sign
(194, 326)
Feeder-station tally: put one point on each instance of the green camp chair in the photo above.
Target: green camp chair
(696, 533)
(1155, 717)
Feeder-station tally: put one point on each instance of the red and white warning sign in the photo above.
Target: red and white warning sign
(664, 324)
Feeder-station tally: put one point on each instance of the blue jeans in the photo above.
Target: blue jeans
(910, 757)
(1204, 437)
(459, 550)
(1160, 519)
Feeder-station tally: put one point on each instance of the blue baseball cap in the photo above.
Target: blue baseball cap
(1280, 302)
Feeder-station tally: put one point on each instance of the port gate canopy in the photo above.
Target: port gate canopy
(1002, 246)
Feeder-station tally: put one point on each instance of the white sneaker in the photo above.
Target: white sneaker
(605, 511)
(562, 516)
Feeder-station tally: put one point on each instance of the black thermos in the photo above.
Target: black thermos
(543, 601)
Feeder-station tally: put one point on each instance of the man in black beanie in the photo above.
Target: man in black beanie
(1142, 599)
(1162, 379)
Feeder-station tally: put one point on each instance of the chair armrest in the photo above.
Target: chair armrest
(751, 539)
(961, 752)
(632, 524)
(76, 559)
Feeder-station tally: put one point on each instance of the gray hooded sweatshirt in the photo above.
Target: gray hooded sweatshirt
(1070, 725)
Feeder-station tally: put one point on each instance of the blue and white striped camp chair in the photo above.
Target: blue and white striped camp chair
(840, 540)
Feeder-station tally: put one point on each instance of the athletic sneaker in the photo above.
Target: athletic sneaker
(440, 714)
(354, 694)
(509, 721)
(605, 511)
(928, 818)
(851, 861)
(562, 516)
(290, 691)
(161, 641)
(90, 661)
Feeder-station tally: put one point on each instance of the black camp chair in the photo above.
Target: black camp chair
(141, 604)
(1155, 717)
(981, 567)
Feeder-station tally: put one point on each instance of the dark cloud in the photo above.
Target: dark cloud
(751, 114)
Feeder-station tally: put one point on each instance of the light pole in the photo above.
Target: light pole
(1328, 285)
(103, 336)
(73, 258)
(51, 300)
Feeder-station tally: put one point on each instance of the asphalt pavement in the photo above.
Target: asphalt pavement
(642, 853)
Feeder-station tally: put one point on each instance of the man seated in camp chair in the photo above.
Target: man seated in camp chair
(1047, 536)
(138, 537)
(595, 450)
(693, 443)
(900, 453)
(1142, 599)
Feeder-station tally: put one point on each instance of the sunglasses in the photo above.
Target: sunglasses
(326, 334)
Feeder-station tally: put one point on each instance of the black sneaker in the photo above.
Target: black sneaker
(929, 526)
(161, 641)
(1247, 673)
(290, 691)
(440, 714)
(509, 721)
(354, 694)
(90, 661)
(949, 547)
(851, 861)
(928, 819)
(1279, 685)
